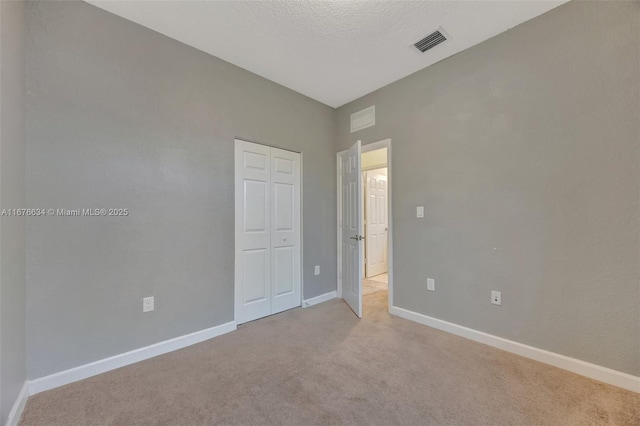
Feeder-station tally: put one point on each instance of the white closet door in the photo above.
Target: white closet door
(253, 231)
(267, 215)
(285, 230)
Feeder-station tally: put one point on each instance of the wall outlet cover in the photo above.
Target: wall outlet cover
(496, 297)
(316, 271)
(148, 304)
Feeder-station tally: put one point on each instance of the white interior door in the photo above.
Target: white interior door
(350, 226)
(253, 231)
(376, 222)
(285, 230)
(267, 231)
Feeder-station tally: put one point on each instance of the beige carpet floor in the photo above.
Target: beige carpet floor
(323, 366)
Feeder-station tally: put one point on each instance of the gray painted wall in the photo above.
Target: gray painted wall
(524, 151)
(12, 195)
(122, 117)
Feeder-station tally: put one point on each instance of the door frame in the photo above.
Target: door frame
(386, 143)
(235, 283)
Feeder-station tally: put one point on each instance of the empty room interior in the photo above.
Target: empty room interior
(304, 212)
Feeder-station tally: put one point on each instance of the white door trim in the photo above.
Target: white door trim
(386, 143)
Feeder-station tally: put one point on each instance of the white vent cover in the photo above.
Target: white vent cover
(431, 41)
(363, 119)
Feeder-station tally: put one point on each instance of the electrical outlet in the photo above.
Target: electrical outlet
(147, 304)
(431, 284)
(496, 297)
(316, 271)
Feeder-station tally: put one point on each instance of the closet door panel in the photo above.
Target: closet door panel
(285, 230)
(253, 231)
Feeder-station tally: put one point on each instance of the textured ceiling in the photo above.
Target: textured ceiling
(331, 51)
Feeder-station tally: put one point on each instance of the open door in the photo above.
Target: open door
(351, 226)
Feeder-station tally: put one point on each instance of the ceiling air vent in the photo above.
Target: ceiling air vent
(430, 41)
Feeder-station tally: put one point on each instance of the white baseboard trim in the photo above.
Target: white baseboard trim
(319, 299)
(593, 371)
(18, 406)
(102, 366)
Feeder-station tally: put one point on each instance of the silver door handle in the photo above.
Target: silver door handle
(357, 238)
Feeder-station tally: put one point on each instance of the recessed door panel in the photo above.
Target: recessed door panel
(256, 286)
(255, 200)
(283, 166)
(283, 270)
(353, 211)
(256, 161)
(283, 206)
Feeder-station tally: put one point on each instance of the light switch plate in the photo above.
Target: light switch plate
(431, 284)
(420, 212)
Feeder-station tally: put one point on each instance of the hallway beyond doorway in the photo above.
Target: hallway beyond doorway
(375, 284)
(382, 278)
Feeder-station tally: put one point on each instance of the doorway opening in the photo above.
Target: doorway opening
(365, 242)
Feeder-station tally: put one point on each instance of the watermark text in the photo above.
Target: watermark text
(58, 212)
